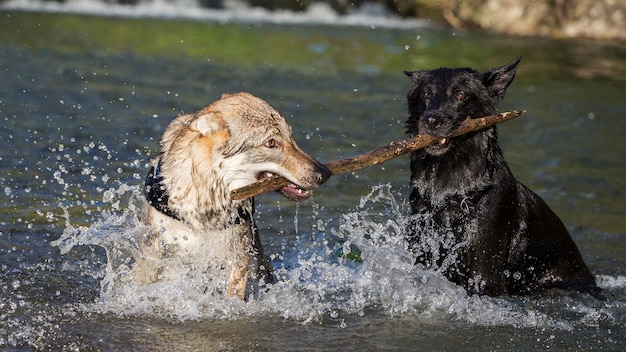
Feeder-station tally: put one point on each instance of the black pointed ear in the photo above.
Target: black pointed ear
(498, 79)
(410, 73)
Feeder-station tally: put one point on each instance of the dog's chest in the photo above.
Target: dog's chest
(173, 239)
(456, 214)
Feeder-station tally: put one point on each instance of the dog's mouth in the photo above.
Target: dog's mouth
(291, 191)
(440, 147)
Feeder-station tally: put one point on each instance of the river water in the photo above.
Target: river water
(85, 98)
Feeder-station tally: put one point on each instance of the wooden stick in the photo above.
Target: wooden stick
(378, 155)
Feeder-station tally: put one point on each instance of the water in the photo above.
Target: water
(84, 100)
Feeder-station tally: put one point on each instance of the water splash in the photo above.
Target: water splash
(313, 282)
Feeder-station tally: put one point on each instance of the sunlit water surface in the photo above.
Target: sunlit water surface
(84, 101)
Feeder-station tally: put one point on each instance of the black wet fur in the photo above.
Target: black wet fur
(473, 220)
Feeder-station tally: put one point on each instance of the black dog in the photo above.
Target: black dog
(473, 220)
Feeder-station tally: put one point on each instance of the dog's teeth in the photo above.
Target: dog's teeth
(443, 141)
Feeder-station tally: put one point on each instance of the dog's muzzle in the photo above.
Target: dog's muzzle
(297, 192)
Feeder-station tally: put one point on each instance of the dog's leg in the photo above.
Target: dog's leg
(145, 272)
(146, 268)
(241, 265)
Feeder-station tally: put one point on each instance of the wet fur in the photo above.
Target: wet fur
(474, 221)
(204, 156)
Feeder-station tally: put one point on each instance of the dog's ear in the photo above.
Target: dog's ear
(208, 123)
(498, 79)
(412, 74)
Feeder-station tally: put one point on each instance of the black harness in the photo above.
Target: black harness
(156, 195)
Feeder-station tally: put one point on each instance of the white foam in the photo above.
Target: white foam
(233, 12)
(314, 283)
(609, 282)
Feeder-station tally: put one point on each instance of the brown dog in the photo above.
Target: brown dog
(192, 217)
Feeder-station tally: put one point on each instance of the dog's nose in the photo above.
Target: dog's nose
(432, 122)
(321, 173)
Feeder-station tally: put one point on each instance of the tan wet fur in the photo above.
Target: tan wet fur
(204, 157)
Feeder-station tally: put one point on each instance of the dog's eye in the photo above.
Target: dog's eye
(461, 96)
(271, 143)
(425, 95)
